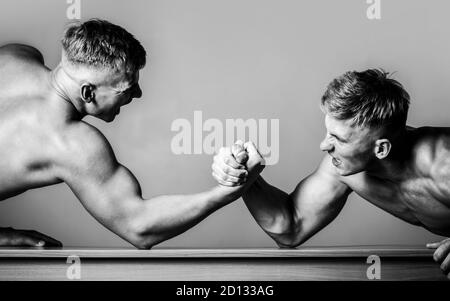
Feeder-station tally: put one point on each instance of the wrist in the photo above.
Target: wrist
(225, 194)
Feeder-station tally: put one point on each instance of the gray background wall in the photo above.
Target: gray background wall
(240, 59)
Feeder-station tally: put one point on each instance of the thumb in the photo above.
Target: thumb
(253, 151)
(239, 152)
(433, 245)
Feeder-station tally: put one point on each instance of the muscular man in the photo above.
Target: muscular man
(43, 140)
(370, 151)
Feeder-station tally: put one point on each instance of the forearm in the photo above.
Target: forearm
(163, 217)
(273, 210)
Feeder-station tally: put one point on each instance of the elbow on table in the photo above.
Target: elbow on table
(143, 242)
(290, 243)
(289, 240)
(140, 237)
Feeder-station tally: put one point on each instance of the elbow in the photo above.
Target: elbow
(291, 237)
(140, 237)
(142, 244)
(287, 233)
(289, 244)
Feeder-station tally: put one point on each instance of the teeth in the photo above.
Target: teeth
(336, 162)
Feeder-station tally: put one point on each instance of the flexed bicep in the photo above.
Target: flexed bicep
(108, 190)
(317, 200)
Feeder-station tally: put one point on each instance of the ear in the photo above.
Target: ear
(382, 148)
(87, 92)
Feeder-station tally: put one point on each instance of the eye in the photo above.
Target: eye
(337, 138)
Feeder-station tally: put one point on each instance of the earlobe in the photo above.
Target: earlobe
(382, 148)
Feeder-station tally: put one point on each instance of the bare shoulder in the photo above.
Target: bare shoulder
(86, 151)
(22, 51)
(431, 150)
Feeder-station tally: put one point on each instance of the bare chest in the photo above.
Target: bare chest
(419, 201)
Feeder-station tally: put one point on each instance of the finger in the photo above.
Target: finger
(445, 265)
(242, 157)
(49, 241)
(239, 152)
(239, 173)
(240, 142)
(433, 245)
(26, 241)
(228, 159)
(224, 176)
(442, 251)
(221, 181)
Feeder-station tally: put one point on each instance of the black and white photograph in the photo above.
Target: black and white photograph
(224, 146)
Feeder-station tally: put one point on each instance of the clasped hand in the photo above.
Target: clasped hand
(236, 165)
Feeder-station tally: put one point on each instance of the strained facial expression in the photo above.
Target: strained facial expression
(350, 147)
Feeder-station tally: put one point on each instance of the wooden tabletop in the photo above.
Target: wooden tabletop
(306, 252)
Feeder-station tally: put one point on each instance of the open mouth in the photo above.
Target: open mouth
(336, 162)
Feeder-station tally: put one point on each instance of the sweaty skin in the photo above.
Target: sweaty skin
(43, 141)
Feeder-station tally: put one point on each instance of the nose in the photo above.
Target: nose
(326, 146)
(137, 92)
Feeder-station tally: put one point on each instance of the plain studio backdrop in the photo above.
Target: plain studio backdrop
(247, 59)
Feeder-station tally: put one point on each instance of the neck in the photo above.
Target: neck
(65, 89)
(395, 166)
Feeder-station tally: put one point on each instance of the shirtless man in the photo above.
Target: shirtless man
(370, 151)
(43, 140)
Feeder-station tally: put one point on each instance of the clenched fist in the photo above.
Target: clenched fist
(234, 165)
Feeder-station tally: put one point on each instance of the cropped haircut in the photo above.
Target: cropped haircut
(101, 44)
(369, 98)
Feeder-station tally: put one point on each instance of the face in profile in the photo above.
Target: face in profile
(352, 148)
(118, 90)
